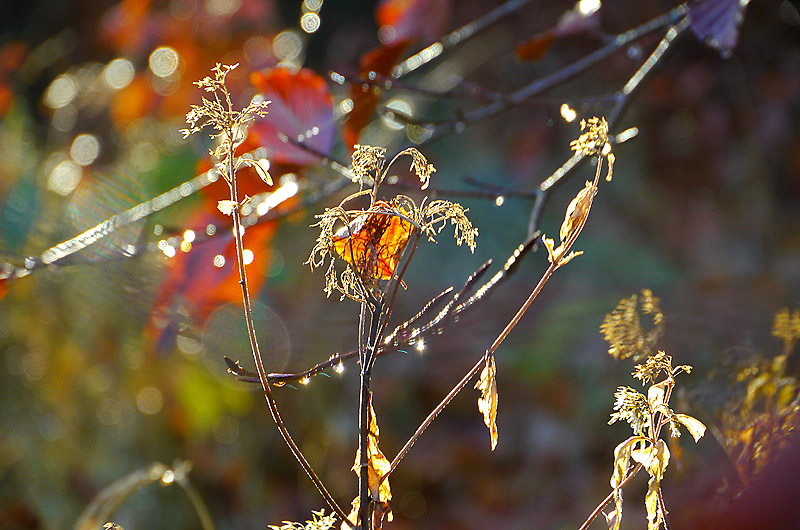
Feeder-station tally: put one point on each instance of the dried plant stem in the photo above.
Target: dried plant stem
(608, 499)
(367, 359)
(251, 332)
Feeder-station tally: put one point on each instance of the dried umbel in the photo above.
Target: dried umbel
(230, 124)
(595, 141)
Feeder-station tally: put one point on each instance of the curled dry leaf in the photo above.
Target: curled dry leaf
(622, 457)
(378, 464)
(487, 402)
(655, 460)
(695, 427)
(577, 211)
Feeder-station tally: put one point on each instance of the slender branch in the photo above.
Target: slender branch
(554, 264)
(457, 37)
(366, 357)
(663, 508)
(251, 332)
(561, 76)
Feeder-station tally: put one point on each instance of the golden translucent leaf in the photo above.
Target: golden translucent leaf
(378, 464)
(487, 402)
(612, 519)
(352, 517)
(657, 458)
(622, 457)
(695, 427)
(656, 394)
(374, 242)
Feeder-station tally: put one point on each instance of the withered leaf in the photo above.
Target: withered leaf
(378, 464)
(577, 211)
(487, 402)
(374, 242)
(695, 427)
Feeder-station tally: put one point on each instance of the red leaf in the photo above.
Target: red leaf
(199, 284)
(535, 47)
(301, 105)
(379, 60)
(572, 22)
(413, 20)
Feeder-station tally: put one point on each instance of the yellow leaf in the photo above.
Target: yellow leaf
(487, 402)
(658, 461)
(656, 394)
(349, 524)
(226, 207)
(693, 425)
(622, 456)
(378, 464)
(262, 168)
(577, 211)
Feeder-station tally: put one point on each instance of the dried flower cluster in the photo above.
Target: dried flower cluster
(623, 328)
(319, 521)
(230, 126)
(595, 141)
(762, 414)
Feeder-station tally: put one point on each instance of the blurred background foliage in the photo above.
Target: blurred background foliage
(112, 357)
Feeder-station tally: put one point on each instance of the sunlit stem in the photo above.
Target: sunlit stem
(473, 371)
(366, 357)
(251, 332)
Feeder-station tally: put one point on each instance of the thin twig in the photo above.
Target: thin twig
(251, 332)
(561, 76)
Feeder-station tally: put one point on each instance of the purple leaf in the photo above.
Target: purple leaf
(716, 22)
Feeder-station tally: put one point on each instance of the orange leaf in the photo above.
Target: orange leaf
(301, 105)
(413, 19)
(374, 242)
(534, 48)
